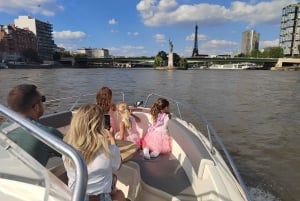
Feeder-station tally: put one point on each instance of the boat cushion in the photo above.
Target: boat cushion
(189, 142)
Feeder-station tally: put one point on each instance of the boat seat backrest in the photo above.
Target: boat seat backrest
(190, 143)
(143, 126)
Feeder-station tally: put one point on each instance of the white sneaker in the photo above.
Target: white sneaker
(154, 154)
(146, 153)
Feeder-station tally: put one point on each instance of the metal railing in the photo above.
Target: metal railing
(79, 191)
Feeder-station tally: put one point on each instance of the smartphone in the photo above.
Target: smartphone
(107, 121)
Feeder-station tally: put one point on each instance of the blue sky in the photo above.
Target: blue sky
(144, 27)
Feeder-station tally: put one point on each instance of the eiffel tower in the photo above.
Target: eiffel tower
(195, 50)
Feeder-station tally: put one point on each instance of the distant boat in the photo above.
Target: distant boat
(235, 66)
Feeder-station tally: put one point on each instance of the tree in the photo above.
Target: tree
(158, 61)
(255, 53)
(273, 52)
(176, 59)
(241, 55)
(163, 55)
(183, 63)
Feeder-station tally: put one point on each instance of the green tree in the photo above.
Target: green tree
(255, 53)
(183, 63)
(241, 55)
(176, 59)
(273, 52)
(158, 61)
(163, 55)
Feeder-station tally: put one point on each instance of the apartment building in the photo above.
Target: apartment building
(289, 39)
(13, 41)
(43, 32)
(250, 41)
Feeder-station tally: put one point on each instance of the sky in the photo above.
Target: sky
(144, 27)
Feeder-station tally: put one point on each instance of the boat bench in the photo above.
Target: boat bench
(190, 144)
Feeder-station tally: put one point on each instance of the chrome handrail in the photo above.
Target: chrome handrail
(79, 191)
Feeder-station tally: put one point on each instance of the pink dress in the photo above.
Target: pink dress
(131, 134)
(157, 138)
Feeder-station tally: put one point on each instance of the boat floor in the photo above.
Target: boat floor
(166, 174)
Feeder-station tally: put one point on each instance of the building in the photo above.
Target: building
(94, 52)
(250, 41)
(13, 41)
(43, 32)
(289, 39)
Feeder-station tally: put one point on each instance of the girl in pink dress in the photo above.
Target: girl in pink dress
(157, 140)
(128, 130)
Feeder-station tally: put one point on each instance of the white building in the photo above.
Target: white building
(289, 39)
(250, 41)
(43, 32)
(94, 52)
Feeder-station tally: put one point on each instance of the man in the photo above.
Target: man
(26, 100)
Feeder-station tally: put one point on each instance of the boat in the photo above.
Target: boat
(198, 168)
(235, 66)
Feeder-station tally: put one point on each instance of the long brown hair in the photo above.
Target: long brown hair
(157, 107)
(104, 99)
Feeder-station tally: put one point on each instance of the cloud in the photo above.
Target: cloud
(158, 13)
(160, 38)
(218, 47)
(43, 7)
(192, 37)
(68, 34)
(112, 21)
(133, 33)
(127, 50)
(269, 43)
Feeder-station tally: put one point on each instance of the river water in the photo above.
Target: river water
(257, 113)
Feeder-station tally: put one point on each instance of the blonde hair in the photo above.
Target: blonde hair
(124, 112)
(87, 134)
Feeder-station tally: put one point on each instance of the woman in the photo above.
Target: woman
(98, 148)
(105, 101)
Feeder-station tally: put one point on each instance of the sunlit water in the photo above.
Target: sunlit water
(257, 113)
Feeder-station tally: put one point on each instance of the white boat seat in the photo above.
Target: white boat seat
(190, 144)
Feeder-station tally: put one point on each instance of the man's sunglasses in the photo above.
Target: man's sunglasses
(42, 99)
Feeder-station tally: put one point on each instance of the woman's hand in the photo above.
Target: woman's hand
(110, 136)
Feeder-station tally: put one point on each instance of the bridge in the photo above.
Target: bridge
(149, 61)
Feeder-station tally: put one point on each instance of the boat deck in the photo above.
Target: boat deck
(166, 174)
